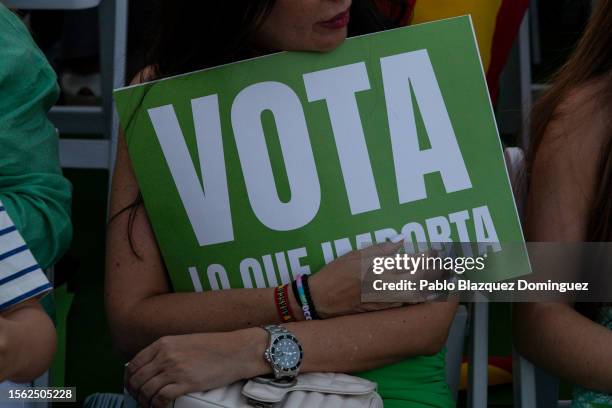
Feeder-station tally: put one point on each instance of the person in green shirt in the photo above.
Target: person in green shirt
(32, 189)
(34, 203)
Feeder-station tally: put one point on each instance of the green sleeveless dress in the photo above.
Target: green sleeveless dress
(418, 382)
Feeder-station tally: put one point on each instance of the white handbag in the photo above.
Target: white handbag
(322, 390)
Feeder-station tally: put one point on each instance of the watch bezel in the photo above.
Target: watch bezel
(273, 360)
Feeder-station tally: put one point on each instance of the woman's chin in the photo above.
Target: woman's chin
(330, 42)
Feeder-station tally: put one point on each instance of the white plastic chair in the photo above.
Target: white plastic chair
(478, 355)
(532, 386)
(525, 375)
(478, 322)
(454, 349)
(473, 324)
(470, 322)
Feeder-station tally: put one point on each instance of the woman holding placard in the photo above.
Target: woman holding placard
(570, 200)
(185, 342)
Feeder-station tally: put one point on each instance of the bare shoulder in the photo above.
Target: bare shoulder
(584, 96)
(579, 130)
(581, 119)
(564, 173)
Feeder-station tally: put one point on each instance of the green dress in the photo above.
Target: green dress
(36, 195)
(417, 382)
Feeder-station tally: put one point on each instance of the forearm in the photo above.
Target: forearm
(362, 341)
(144, 321)
(566, 343)
(29, 343)
(352, 343)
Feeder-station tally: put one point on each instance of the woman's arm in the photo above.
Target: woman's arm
(27, 342)
(174, 366)
(370, 340)
(141, 307)
(565, 343)
(554, 335)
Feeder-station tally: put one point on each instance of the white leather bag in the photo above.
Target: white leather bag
(322, 390)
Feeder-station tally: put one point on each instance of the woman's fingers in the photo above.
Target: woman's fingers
(148, 390)
(167, 394)
(385, 249)
(144, 375)
(141, 367)
(145, 356)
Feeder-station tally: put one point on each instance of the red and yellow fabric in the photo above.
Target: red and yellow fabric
(496, 23)
(499, 371)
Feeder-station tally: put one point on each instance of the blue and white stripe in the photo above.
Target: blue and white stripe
(21, 277)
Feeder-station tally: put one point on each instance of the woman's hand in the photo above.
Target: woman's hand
(336, 289)
(177, 365)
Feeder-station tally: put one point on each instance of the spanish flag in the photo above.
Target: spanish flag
(496, 23)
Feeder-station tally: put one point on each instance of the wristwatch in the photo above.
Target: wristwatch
(284, 353)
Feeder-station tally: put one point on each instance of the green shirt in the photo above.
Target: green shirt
(418, 382)
(32, 188)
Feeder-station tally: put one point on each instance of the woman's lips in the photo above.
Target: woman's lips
(338, 21)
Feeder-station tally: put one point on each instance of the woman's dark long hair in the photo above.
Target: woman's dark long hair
(591, 60)
(192, 35)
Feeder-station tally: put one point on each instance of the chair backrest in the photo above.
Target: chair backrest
(532, 386)
(478, 314)
(454, 350)
(478, 349)
(515, 163)
(51, 4)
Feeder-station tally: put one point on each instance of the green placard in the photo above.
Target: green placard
(259, 170)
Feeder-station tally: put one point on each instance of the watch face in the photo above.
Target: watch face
(286, 353)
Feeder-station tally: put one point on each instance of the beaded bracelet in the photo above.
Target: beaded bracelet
(281, 300)
(313, 310)
(296, 293)
(302, 297)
